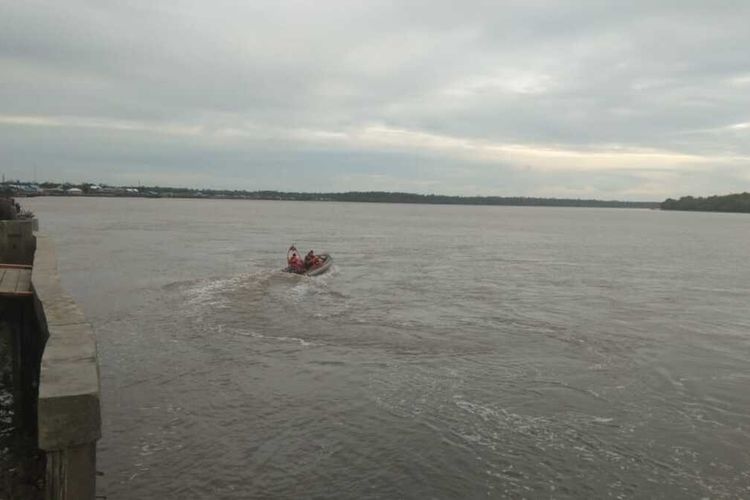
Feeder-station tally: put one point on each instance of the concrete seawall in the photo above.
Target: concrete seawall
(69, 419)
(56, 371)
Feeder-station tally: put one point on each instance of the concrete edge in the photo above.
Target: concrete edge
(69, 410)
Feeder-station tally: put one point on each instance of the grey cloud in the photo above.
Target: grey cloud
(578, 75)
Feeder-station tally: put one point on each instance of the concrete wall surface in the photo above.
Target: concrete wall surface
(17, 241)
(69, 417)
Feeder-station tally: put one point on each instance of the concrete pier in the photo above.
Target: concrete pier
(69, 408)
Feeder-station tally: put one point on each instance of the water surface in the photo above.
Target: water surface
(453, 352)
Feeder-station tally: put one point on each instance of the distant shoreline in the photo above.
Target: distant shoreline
(89, 190)
(739, 202)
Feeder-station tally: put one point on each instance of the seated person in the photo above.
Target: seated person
(295, 261)
(312, 260)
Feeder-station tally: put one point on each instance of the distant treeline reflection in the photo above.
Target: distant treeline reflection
(728, 203)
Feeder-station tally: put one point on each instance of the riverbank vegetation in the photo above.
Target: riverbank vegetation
(87, 189)
(739, 202)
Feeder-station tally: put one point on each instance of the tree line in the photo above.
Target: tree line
(351, 196)
(739, 202)
(398, 197)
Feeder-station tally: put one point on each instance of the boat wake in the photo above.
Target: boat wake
(272, 302)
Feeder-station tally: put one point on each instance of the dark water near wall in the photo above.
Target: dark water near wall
(21, 464)
(454, 352)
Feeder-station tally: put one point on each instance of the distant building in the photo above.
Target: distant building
(32, 189)
(53, 191)
(74, 191)
(20, 188)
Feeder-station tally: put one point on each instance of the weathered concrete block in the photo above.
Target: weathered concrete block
(45, 259)
(17, 241)
(70, 343)
(68, 376)
(68, 475)
(58, 308)
(68, 420)
(53, 305)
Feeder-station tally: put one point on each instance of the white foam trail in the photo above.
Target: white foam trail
(256, 335)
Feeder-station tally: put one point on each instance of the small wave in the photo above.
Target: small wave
(602, 420)
(256, 335)
(206, 290)
(300, 290)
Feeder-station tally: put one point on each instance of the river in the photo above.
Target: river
(452, 352)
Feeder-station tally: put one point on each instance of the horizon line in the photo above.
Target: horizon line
(322, 193)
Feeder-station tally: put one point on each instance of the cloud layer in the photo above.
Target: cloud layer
(618, 100)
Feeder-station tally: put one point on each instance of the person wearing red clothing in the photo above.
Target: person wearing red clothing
(293, 259)
(312, 260)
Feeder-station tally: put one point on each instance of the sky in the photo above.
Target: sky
(636, 100)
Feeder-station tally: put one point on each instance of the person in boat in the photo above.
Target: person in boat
(294, 260)
(312, 260)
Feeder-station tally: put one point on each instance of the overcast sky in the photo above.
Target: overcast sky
(635, 100)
